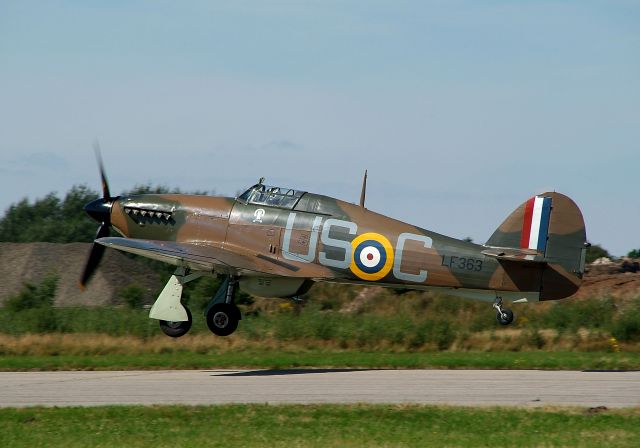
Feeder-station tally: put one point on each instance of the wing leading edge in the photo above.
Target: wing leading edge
(202, 257)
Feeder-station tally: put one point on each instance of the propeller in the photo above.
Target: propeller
(99, 210)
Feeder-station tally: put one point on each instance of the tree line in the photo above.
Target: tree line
(60, 219)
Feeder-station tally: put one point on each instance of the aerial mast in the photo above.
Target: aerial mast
(363, 193)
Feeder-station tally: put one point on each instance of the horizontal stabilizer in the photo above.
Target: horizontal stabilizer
(510, 254)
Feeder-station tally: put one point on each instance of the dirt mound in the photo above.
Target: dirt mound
(621, 285)
(31, 262)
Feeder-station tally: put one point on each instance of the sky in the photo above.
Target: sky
(460, 110)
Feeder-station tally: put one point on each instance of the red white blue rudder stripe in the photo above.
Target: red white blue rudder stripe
(535, 227)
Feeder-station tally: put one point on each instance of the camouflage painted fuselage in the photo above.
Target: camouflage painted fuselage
(325, 239)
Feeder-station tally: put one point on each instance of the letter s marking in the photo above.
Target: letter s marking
(327, 241)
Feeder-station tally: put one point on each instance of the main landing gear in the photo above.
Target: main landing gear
(504, 316)
(175, 319)
(221, 313)
(175, 329)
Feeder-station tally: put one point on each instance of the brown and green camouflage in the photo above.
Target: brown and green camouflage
(279, 241)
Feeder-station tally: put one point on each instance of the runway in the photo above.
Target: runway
(201, 387)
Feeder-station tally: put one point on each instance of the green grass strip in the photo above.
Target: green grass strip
(316, 426)
(274, 359)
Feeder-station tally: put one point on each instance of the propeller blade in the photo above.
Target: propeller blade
(106, 194)
(100, 210)
(103, 230)
(97, 251)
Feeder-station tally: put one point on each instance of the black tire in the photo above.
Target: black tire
(177, 329)
(222, 319)
(506, 317)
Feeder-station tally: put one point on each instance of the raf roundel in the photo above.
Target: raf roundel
(372, 256)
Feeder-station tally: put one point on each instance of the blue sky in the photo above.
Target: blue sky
(461, 110)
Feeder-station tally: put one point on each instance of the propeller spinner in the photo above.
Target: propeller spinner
(99, 210)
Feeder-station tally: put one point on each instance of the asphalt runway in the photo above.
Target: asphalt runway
(452, 387)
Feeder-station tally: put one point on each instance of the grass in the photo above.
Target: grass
(286, 325)
(281, 359)
(350, 317)
(337, 327)
(316, 426)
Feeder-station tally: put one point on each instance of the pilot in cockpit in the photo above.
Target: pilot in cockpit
(273, 196)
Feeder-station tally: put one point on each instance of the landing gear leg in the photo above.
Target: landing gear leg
(222, 313)
(504, 316)
(174, 318)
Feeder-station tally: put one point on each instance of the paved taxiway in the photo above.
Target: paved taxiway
(455, 387)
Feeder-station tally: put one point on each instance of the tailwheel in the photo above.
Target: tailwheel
(177, 329)
(504, 316)
(222, 318)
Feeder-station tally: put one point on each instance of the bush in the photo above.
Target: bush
(32, 296)
(627, 327)
(41, 320)
(133, 296)
(31, 310)
(572, 315)
(596, 251)
(443, 334)
(288, 328)
(534, 338)
(329, 303)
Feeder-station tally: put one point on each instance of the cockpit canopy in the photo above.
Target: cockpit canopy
(261, 194)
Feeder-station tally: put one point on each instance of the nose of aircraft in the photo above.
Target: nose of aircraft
(100, 209)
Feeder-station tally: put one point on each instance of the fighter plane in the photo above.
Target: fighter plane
(278, 242)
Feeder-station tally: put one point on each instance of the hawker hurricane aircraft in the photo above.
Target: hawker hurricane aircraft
(277, 242)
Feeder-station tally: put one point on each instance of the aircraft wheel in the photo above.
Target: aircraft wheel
(177, 329)
(222, 319)
(505, 317)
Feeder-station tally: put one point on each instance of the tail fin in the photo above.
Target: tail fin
(551, 226)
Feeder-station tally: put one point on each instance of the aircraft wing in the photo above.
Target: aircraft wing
(203, 257)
